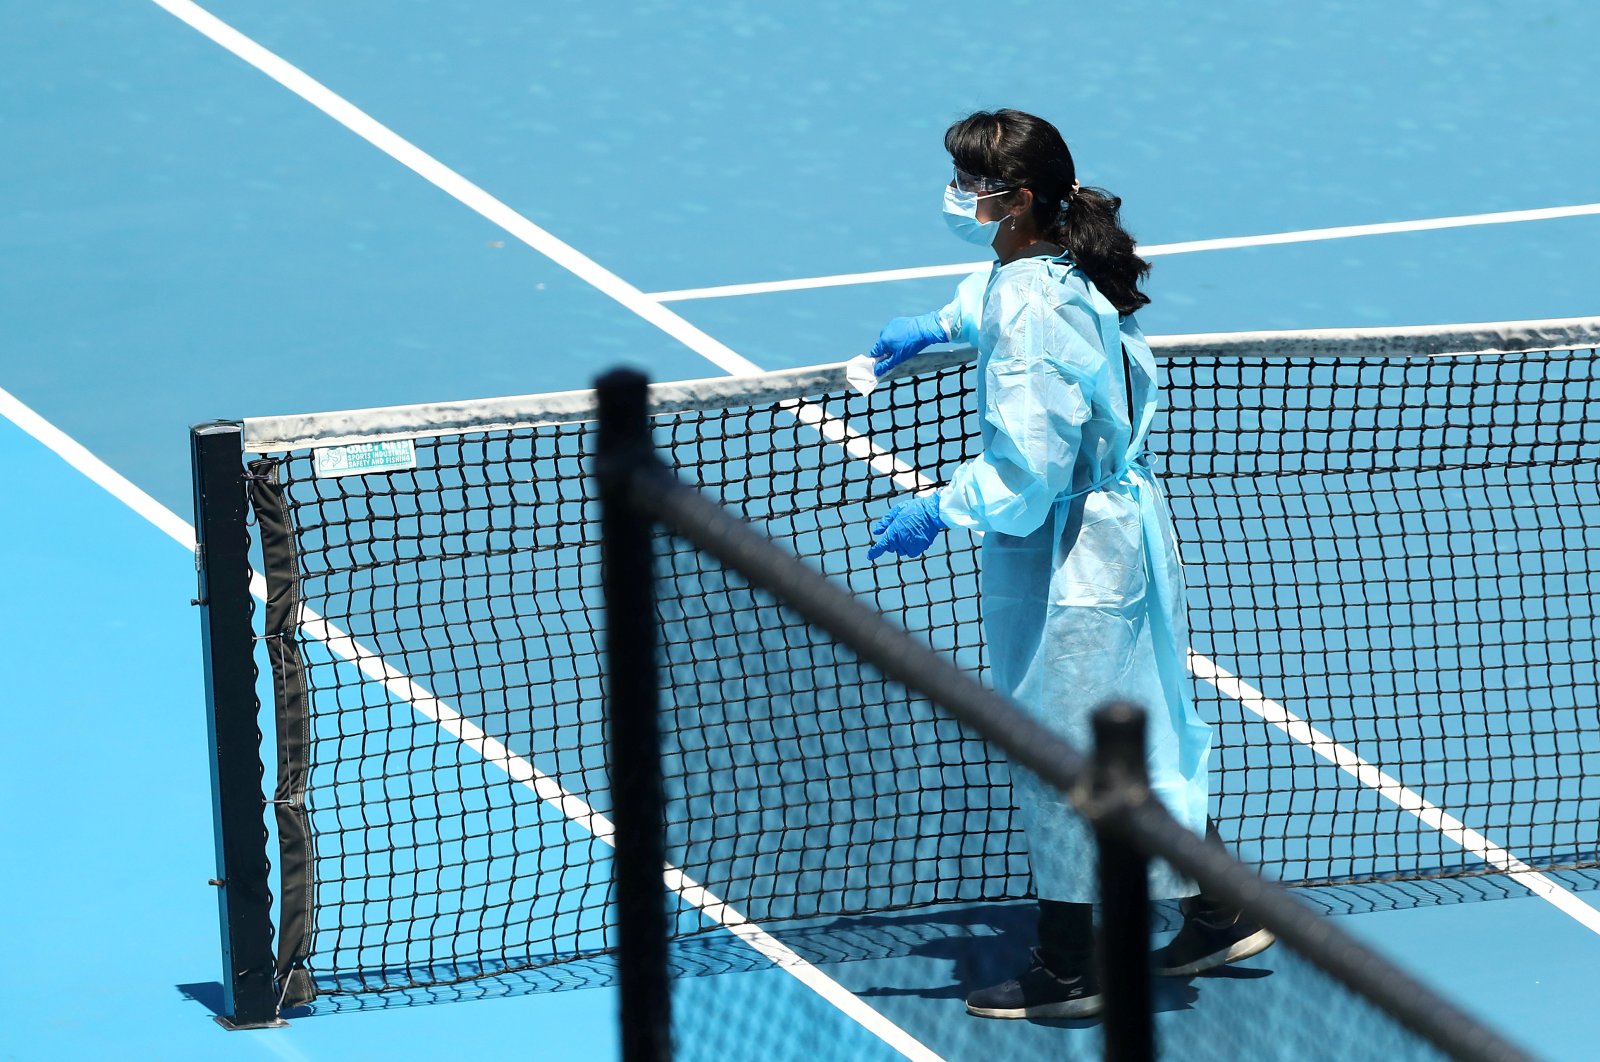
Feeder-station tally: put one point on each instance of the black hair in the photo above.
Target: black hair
(1028, 152)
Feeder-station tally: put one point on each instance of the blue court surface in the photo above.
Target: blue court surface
(510, 199)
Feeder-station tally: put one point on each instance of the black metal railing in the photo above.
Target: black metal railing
(639, 496)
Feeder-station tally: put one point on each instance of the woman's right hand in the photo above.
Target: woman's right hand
(904, 338)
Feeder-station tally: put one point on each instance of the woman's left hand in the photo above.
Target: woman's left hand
(909, 528)
(904, 338)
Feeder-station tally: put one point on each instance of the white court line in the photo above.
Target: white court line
(1154, 250)
(101, 474)
(470, 195)
(454, 185)
(494, 752)
(1392, 790)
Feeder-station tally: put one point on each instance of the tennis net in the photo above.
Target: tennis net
(1391, 542)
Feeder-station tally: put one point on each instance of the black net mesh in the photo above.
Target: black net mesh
(1393, 553)
(902, 975)
(1399, 551)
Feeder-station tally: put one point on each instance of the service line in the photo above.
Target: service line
(1153, 250)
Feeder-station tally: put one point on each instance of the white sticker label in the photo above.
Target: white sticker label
(357, 459)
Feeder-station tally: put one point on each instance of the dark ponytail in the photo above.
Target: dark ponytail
(1029, 152)
(1091, 229)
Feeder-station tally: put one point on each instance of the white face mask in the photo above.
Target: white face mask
(961, 214)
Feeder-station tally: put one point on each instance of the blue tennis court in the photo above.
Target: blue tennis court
(229, 211)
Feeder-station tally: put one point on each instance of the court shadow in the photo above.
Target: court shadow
(341, 995)
(952, 948)
(986, 944)
(935, 933)
(456, 984)
(1064, 1023)
(209, 995)
(1454, 886)
(1167, 996)
(206, 993)
(1236, 973)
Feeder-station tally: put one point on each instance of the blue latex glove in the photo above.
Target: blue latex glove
(908, 529)
(903, 338)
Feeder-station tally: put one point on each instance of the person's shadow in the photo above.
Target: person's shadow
(990, 943)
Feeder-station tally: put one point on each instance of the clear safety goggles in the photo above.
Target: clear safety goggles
(972, 183)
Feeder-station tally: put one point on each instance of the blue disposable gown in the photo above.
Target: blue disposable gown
(1082, 590)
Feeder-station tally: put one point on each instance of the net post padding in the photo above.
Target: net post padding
(1119, 780)
(297, 885)
(1029, 744)
(244, 900)
(632, 681)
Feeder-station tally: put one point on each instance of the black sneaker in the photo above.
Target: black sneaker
(1039, 993)
(1210, 940)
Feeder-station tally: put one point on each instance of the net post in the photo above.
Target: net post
(623, 445)
(222, 563)
(1119, 780)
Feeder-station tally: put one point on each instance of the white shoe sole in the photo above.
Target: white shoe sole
(1254, 944)
(1087, 1007)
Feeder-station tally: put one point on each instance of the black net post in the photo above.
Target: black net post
(634, 729)
(222, 561)
(1119, 781)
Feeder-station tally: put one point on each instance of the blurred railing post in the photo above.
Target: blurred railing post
(1118, 781)
(633, 726)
